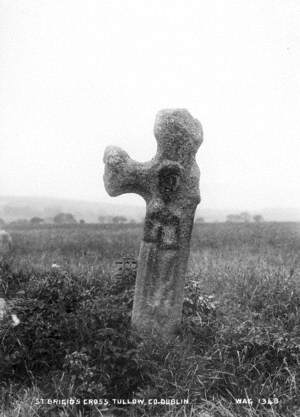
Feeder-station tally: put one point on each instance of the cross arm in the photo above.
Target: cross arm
(124, 175)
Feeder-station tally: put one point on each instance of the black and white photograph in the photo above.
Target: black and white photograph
(149, 208)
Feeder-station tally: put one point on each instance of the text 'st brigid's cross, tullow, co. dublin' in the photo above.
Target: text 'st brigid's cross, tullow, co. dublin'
(169, 184)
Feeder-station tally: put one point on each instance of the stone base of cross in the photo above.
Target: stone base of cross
(169, 184)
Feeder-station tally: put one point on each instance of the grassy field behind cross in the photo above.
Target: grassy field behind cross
(237, 352)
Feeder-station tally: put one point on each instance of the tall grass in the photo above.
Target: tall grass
(239, 340)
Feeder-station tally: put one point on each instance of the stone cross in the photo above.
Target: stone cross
(169, 184)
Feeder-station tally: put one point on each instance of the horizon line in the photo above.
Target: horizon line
(117, 203)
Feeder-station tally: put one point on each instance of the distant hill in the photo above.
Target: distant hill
(13, 208)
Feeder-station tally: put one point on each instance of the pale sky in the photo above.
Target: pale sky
(76, 76)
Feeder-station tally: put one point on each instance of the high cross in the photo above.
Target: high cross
(169, 184)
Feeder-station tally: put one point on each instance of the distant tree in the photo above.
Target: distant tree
(199, 220)
(234, 218)
(2, 223)
(245, 216)
(36, 220)
(105, 219)
(81, 221)
(258, 218)
(19, 222)
(64, 218)
(119, 219)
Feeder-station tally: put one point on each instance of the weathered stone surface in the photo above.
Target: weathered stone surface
(5, 242)
(169, 183)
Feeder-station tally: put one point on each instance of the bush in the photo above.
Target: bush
(83, 330)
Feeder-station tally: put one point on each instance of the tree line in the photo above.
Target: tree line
(243, 217)
(63, 218)
(69, 218)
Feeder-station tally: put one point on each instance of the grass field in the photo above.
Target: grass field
(237, 352)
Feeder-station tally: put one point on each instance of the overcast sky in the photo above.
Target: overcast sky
(76, 76)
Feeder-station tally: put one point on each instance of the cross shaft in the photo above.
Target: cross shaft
(169, 184)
